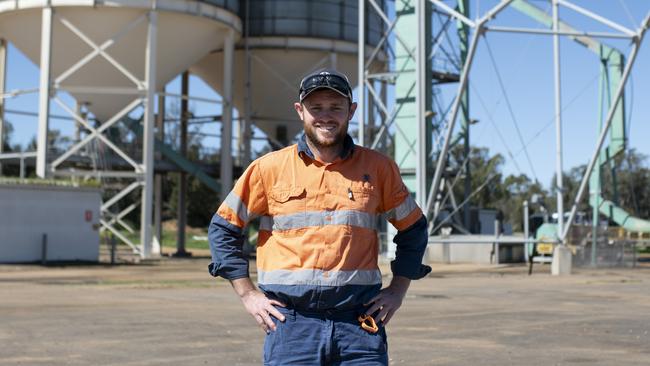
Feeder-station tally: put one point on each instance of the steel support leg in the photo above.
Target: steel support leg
(226, 133)
(158, 180)
(148, 140)
(182, 178)
(44, 92)
(421, 85)
(361, 111)
(558, 122)
(3, 73)
(442, 156)
(610, 116)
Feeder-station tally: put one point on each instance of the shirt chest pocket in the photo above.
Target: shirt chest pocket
(287, 199)
(363, 197)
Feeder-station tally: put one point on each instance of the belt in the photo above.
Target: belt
(331, 314)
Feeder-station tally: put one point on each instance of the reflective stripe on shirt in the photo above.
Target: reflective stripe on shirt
(319, 218)
(316, 277)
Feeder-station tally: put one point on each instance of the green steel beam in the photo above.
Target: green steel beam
(463, 36)
(406, 125)
(613, 63)
(176, 158)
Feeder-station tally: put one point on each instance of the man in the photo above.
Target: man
(317, 251)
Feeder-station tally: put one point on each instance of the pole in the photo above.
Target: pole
(226, 133)
(463, 33)
(526, 232)
(594, 185)
(610, 117)
(361, 64)
(44, 249)
(3, 74)
(148, 138)
(158, 180)
(452, 121)
(420, 101)
(248, 108)
(44, 92)
(113, 242)
(558, 123)
(181, 217)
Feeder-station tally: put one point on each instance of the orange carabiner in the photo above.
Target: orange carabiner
(368, 323)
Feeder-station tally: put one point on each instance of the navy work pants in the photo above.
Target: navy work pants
(324, 338)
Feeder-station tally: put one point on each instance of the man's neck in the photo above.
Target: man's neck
(325, 154)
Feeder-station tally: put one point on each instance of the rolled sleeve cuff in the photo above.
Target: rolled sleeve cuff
(409, 269)
(231, 272)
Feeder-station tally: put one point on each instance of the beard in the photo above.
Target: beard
(319, 142)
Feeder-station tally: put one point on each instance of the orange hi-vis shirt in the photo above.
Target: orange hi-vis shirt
(318, 245)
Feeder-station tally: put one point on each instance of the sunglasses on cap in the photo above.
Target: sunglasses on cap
(325, 80)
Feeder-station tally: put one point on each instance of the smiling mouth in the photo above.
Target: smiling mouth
(331, 128)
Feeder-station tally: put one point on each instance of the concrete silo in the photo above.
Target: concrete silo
(284, 40)
(113, 56)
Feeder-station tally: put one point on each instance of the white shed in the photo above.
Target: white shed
(67, 216)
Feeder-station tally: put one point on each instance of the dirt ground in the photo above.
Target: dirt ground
(171, 312)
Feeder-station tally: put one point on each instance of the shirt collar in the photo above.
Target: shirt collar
(348, 147)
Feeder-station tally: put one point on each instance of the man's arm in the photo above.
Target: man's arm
(246, 201)
(257, 304)
(407, 266)
(228, 261)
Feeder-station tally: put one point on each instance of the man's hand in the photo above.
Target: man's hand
(257, 304)
(389, 299)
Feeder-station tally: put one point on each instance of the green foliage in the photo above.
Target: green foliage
(632, 191)
(202, 202)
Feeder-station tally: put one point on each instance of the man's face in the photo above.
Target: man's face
(325, 115)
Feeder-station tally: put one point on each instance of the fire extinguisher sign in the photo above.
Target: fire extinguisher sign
(88, 215)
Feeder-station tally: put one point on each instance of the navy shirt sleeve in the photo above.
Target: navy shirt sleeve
(411, 244)
(226, 243)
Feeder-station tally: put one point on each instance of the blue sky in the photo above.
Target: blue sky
(525, 64)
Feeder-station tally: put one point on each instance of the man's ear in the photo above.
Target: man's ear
(298, 107)
(353, 108)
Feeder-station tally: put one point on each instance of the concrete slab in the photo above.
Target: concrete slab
(171, 312)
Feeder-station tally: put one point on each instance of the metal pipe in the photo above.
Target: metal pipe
(463, 31)
(148, 137)
(248, 107)
(181, 212)
(610, 116)
(560, 32)
(44, 92)
(226, 135)
(198, 99)
(485, 240)
(361, 67)
(22, 167)
(596, 17)
(479, 28)
(454, 13)
(158, 179)
(558, 122)
(113, 248)
(420, 102)
(435, 187)
(526, 231)
(44, 249)
(100, 90)
(3, 74)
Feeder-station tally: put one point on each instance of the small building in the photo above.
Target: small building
(48, 222)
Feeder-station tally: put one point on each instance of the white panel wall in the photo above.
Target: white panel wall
(69, 217)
